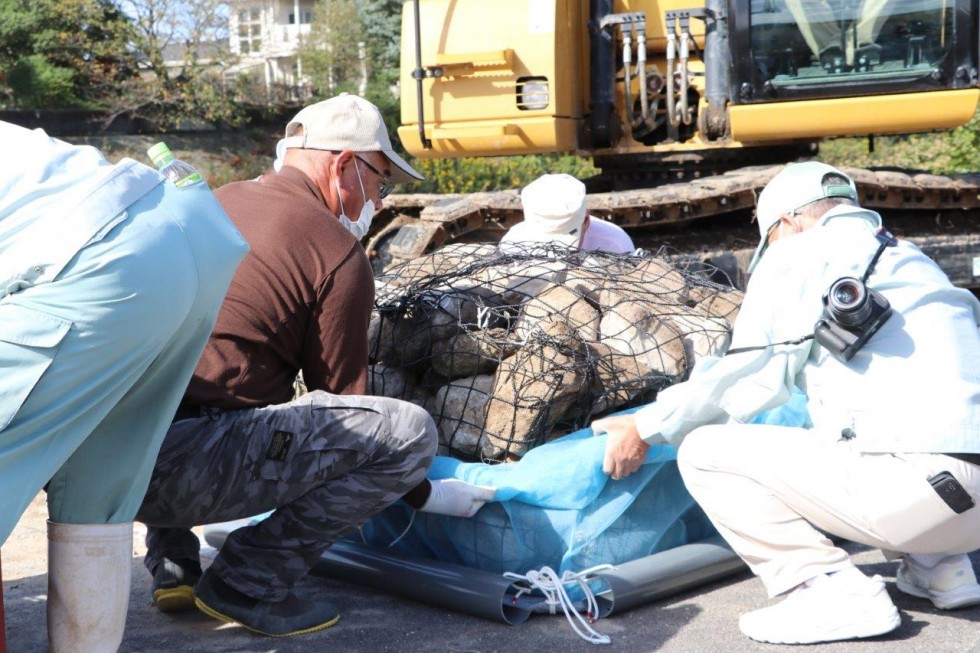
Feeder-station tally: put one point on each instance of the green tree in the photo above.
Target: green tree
(943, 152)
(382, 33)
(964, 150)
(334, 54)
(64, 53)
(381, 20)
(184, 52)
(36, 82)
(353, 46)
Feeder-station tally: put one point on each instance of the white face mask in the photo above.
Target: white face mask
(360, 226)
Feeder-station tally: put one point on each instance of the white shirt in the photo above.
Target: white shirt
(600, 236)
(607, 237)
(913, 387)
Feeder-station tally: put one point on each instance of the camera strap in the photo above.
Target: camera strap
(795, 341)
(885, 238)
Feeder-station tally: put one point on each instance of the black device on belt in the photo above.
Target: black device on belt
(951, 491)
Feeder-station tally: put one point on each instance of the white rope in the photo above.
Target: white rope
(536, 328)
(548, 583)
(395, 541)
(404, 532)
(483, 315)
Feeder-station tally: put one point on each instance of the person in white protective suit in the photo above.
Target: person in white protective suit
(893, 458)
(110, 282)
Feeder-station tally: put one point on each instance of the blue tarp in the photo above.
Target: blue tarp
(556, 507)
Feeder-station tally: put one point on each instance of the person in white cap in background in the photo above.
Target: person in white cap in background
(240, 444)
(893, 458)
(110, 281)
(554, 212)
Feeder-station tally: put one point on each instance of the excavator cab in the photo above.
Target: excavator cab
(876, 63)
(616, 77)
(803, 48)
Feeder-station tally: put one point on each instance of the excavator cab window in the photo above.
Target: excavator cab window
(836, 48)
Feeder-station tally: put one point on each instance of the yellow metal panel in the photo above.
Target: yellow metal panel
(458, 132)
(484, 48)
(857, 116)
(491, 138)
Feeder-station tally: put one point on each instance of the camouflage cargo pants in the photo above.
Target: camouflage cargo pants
(324, 463)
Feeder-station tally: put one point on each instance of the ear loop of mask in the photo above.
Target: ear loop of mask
(360, 182)
(340, 197)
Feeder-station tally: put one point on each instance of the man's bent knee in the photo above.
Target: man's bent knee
(418, 423)
(415, 429)
(408, 423)
(698, 448)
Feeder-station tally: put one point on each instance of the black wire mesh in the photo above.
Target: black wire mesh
(510, 347)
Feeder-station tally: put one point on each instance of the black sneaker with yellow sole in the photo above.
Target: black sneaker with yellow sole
(173, 584)
(291, 616)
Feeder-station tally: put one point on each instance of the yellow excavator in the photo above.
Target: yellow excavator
(687, 109)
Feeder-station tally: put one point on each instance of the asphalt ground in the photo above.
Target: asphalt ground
(701, 620)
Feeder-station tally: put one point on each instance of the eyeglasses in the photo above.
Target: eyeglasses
(769, 233)
(384, 186)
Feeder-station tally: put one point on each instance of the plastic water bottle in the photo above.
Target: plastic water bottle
(182, 175)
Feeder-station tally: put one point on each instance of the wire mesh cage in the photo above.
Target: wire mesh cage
(510, 347)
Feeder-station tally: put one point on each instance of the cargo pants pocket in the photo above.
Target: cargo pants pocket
(29, 340)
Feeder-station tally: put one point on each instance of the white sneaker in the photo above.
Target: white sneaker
(828, 608)
(950, 584)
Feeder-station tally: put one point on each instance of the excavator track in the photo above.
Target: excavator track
(709, 218)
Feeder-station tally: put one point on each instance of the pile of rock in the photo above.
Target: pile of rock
(509, 349)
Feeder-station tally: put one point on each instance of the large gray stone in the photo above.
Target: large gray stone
(471, 353)
(459, 409)
(532, 391)
(631, 328)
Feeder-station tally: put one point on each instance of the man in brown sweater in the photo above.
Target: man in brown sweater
(240, 445)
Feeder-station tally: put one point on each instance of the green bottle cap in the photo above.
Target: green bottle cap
(160, 154)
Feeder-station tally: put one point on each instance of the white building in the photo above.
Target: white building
(266, 35)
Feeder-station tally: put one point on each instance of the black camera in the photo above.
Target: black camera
(852, 313)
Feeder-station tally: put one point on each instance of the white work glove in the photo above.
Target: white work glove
(453, 497)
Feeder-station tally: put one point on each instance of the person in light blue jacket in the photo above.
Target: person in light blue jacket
(887, 351)
(110, 283)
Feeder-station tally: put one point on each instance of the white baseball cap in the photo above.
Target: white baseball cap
(796, 185)
(554, 211)
(347, 122)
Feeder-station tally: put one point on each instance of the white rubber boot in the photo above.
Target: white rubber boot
(89, 568)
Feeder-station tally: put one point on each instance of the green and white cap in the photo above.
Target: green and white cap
(796, 185)
(160, 154)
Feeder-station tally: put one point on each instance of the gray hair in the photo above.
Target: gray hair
(817, 209)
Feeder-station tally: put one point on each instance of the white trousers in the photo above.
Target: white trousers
(771, 490)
